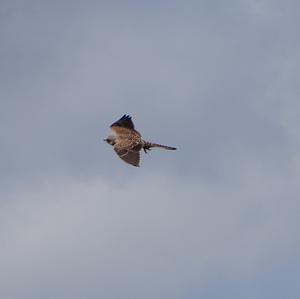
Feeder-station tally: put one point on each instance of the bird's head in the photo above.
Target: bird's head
(110, 140)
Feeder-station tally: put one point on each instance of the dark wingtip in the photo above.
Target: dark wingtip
(135, 165)
(124, 121)
(126, 116)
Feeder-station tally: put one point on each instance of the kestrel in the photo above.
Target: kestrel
(128, 142)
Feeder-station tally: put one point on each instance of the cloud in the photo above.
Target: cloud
(216, 80)
(186, 80)
(67, 236)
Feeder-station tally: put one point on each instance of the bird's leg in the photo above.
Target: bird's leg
(146, 147)
(146, 150)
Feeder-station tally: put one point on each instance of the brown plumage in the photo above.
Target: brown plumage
(127, 142)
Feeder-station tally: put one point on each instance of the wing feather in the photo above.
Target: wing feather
(130, 157)
(125, 122)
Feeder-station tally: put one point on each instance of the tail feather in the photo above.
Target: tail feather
(149, 145)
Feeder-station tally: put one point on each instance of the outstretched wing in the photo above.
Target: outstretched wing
(125, 122)
(129, 156)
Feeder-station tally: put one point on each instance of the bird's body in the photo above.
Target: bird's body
(127, 142)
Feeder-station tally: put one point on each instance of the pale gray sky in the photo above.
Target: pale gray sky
(219, 218)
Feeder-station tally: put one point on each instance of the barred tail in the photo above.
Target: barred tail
(148, 145)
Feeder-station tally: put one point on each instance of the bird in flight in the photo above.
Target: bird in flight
(127, 142)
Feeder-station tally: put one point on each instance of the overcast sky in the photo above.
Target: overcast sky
(218, 218)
